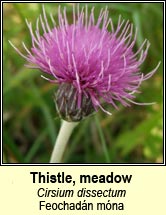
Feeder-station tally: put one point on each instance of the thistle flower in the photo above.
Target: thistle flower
(90, 64)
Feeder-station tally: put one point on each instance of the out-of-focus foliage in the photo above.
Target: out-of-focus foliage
(30, 121)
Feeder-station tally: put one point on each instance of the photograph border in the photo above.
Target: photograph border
(82, 164)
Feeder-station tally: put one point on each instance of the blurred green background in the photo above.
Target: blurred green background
(30, 121)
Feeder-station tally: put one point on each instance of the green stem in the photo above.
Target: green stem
(61, 141)
(104, 145)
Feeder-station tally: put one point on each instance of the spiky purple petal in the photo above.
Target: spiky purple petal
(98, 63)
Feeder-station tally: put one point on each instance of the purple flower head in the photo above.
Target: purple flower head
(100, 66)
